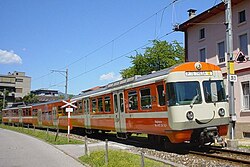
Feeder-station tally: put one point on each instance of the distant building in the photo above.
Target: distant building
(205, 41)
(45, 95)
(16, 83)
(45, 92)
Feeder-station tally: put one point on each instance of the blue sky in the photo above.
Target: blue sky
(82, 35)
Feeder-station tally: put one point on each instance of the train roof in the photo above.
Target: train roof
(131, 80)
(16, 108)
(48, 102)
(153, 77)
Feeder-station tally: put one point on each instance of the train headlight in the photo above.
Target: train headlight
(221, 112)
(190, 115)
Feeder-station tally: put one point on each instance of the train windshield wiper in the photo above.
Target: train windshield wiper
(194, 99)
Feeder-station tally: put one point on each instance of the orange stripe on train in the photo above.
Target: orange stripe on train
(190, 66)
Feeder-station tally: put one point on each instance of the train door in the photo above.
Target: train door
(20, 115)
(87, 114)
(119, 112)
(39, 116)
(54, 115)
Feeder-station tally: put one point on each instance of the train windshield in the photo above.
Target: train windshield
(183, 93)
(216, 94)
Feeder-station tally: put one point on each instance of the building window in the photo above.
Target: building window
(221, 52)
(145, 99)
(202, 55)
(19, 80)
(243, 44)
(242, 16)
(202, 33)
(19, 90)
(133, 101)
(246, 92)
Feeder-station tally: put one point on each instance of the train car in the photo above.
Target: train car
(20, 115)
(186, 102)
(52, 115)
(48, 114)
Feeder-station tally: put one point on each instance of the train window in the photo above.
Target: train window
(79, 107)
(161, 95)
(84, 105)
(116, 104)
(121, 102)
(221, 96)
(183, 93)
(133, 100)
(60, 111)
(94, 105)
(145, 99)
(34, 112)
(87, 106)
(107, 104)
(100, 105)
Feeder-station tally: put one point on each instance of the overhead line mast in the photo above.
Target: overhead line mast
(230, 71)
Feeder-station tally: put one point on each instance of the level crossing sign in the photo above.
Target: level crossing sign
(70, 107)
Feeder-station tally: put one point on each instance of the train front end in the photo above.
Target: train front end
(198, 108)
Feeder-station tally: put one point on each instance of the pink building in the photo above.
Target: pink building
(205, 40)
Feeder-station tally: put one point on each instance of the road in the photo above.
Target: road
(19, 150)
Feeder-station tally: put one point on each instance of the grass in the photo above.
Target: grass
(247, 147)
(117, 158)
(49, 138)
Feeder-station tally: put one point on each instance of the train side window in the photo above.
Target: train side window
(84, 106)
(94, 105)
(161, 95)
(34, 112)
(60, 111)
(145, 99)
(133, 100)
(79, 108)
(107, 104)
(116, 104)
(87, 106)
(121, 102)
(100, 105)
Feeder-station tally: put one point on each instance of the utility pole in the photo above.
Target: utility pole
(66, 82)
(230, 71)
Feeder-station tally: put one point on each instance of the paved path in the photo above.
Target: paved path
(19, 150)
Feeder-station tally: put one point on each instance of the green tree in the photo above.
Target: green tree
(30, 99)
(2, 94)
(161, 55)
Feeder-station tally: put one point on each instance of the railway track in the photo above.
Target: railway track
(224, 154)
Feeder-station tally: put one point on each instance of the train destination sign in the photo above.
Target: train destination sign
(198, 73)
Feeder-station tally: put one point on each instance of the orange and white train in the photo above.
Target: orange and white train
(186, 102)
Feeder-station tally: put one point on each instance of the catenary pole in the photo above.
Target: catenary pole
(230, 67)
(66, 82)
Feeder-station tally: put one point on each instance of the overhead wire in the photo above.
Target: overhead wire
(101, 65)
(114, 39)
